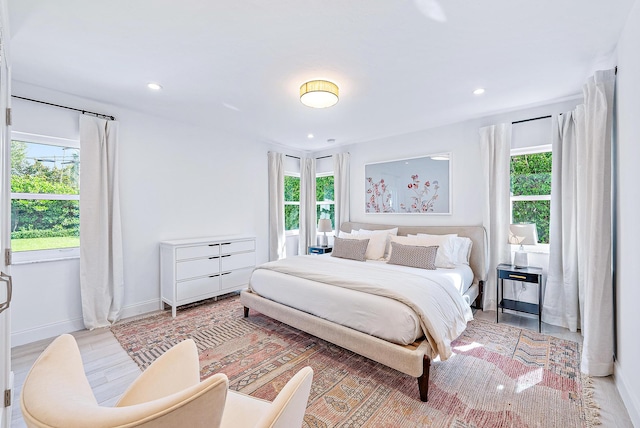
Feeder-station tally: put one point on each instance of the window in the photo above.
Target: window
(325, 205)
(45, 197)
(291, 203)
(531, 188)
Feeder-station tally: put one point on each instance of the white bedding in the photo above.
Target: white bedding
(377, 315)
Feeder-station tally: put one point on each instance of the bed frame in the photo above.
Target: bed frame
(414, 359)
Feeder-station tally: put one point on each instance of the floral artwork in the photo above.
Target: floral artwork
(411, 186)
(378, 197)
(425, 196)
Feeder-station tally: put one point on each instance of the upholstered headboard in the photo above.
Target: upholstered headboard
(477, 234)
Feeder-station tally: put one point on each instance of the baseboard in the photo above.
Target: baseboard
(69, 326)
(46, 331)
(141, 308)
(628, 395)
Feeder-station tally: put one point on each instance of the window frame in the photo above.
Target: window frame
(318, 203)
(54, 254)
(543, 148)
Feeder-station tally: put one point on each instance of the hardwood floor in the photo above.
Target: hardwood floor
(110, 370)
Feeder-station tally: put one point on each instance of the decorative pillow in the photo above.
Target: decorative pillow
(413, 255)
(354, 249)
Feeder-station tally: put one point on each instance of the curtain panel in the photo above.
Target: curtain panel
(495, 149)
(308, 225)
(341, 188)
(277, 241)
(579, 291)
(101, 261)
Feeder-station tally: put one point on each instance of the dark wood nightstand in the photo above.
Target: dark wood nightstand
(320, 250)
(527, 274)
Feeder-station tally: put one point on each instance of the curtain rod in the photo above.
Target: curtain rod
(296, 157)
(103, 116)
(529, 120)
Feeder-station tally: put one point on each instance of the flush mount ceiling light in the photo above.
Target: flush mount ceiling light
(319, 93)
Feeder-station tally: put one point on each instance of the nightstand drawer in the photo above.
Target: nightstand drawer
(518, 276)
(320, 250)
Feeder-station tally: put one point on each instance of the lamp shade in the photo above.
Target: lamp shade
(319, 93)
(523, 234)
(324, 225)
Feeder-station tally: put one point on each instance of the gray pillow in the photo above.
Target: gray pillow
(354, 249)
(413, 256)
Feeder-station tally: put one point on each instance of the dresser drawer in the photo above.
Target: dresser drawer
(235, 279)
(195, 268)
(237, 261)
(188, 290)
(238, 246)
(197, 251)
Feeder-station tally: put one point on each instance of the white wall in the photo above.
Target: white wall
(177, 181)
(627, 371)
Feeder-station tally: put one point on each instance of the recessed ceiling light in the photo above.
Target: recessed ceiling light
(309, 136)
(154, 86)
(478, 91)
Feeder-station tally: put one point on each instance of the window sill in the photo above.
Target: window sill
(29, 262)
(43, 256)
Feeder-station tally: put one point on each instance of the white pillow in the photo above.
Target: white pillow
(462, 249)
(389, 233)
(377, 243)
(447, 256)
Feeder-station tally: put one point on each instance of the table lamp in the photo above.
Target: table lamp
(324, 225)
(522, 234)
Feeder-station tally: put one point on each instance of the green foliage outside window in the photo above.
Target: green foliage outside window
(35, 222)
(291, 194)
(531, 176)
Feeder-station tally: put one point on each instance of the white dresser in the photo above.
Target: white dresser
(197, 269)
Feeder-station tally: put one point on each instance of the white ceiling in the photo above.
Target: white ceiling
(237, 65)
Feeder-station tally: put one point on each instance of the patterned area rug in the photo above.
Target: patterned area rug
(500, 376)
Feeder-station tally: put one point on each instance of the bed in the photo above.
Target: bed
(398, 341)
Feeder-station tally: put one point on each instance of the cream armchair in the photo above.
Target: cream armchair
(56, 393)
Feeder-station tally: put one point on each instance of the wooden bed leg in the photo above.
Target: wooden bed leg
(423, 381)
(478, 301)
(246, 312)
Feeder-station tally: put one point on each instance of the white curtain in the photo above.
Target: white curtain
(579, 287)
(561, 304)
(495, 150)
(101, 265)
(341, 188)
(277, 243)
(308, 225)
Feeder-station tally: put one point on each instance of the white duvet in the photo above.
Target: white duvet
(442, 311)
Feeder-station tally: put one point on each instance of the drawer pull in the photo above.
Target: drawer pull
(517, 276)
(214, 257)
(225, 273)
(226, 255)
(213, 276)
(226, 243)
(212, 245)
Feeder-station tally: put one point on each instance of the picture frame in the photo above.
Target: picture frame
(419, 185)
